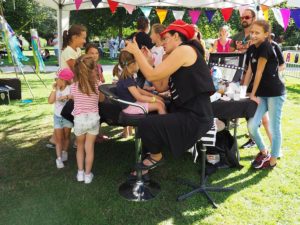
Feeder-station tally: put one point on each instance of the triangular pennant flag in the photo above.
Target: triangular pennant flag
(295, 14)
(178, 14)
(286, 13)
(194, 14)
(242, 9)
(96, 2)
(161, 13)
(226, 12)
(129, 8)
(209, 14)
(278, 16)
(112, 5)
(265, 10)
(146, 11)
(77, 4)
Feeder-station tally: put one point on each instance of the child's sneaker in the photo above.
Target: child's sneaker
(259, 160)
(80, 176)
(59, 163)
(88, 178)
(64, 156)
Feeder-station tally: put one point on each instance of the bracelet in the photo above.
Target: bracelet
(153, 99)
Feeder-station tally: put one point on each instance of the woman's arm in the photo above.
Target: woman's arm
(71, 63)
(52, 96)
(161, 85)
(181, 56)
(259, 71)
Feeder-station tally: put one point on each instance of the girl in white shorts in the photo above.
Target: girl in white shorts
(86, 114)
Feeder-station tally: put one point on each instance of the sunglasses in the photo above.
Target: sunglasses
(245, 17)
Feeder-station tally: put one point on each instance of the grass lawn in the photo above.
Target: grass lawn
(53, 61)
(33, 191)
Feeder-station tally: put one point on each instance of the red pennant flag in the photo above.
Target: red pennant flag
(113, 5)
(78, 3)
(227, 12)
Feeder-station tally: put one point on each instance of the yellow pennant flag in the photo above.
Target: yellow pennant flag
(161, 13)
(265, 10)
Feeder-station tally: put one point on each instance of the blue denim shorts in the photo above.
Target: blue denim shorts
(60, 122)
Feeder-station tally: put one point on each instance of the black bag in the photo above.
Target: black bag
(226, 148)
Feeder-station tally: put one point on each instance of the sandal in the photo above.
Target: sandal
(50, 145)
(154, 164)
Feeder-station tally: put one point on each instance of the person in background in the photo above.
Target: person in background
(55, 45)
(198, 37)
(111, 46)
(46, 55)
(62, 127)
(222, 44)
(268, 91)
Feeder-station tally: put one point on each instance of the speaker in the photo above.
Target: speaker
(15, 83)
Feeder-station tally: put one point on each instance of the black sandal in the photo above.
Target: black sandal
(154, 162)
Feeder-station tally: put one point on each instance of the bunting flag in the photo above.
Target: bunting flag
(286, 13)
(146, 11)
(242, 9)
(96, 2)
(78, 3)
(129, 8)
(161, 13)
(112, 5)
(210, 14)
(226, 13)
(278, 16)
(295, 14)
(178, 14)
(265, 10)
(194, 14)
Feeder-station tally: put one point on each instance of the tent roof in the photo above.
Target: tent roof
(69, 5)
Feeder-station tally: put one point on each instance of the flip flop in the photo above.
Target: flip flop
(50, 145)
(154, 164)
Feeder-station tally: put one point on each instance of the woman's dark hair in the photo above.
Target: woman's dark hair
(75, 30)
(142, 23)
(89, 46)
(192, 42)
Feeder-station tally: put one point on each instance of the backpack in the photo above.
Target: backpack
(225, 150)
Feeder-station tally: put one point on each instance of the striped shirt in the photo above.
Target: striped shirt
(84, 103)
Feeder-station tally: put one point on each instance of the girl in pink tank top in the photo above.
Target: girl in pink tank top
(223, 43)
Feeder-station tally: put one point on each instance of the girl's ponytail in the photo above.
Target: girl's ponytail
(65, 39)
(116, 70)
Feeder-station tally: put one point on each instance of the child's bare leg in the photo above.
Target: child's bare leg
(89, 150)
(157, 106)
(52, 139)
(80, 151)
(59, 136)
(67, 134)
(265, 122)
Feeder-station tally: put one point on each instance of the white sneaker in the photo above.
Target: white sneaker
(88, 178)
(64, 156)
(80, 176)
(59, 163)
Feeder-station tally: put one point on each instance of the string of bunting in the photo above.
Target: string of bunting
(282, 15)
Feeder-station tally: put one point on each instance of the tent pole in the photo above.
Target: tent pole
(60, 33)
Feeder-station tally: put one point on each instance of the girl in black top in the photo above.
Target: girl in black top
(187, 76)
(268, 91)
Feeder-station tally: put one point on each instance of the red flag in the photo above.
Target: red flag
(113, 5)
(227, 12)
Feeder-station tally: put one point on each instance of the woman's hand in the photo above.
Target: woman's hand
(131, 47)
(54, 85)
(147, 53)
(254, 98)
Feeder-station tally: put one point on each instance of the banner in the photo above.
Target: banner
(285, 13)
(78, 3)
(265, 10)
(210, 14)
(161, 13)
(112, 5)
(96, 2)
(129, 8)
(178, 14)
(295, 14)
(194, 14)
(226, 12)
(36, 49)
(278, 16)
(146, 11)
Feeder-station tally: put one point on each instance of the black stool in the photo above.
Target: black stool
(207, 140)
(138, 189)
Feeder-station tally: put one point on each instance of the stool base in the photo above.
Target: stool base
(139, 190)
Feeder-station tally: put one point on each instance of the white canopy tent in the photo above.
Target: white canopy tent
(64, 7)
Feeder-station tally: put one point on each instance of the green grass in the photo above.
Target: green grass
(53, 60)
(33, 191)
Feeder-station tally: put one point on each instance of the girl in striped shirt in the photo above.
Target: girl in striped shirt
(86, 114)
